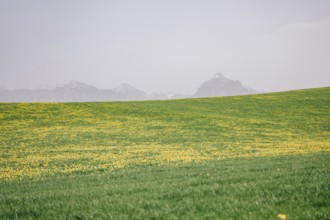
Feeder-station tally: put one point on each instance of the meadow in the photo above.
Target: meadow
(263, 156)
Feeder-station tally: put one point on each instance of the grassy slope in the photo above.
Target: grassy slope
(67, 146)
(240, 188)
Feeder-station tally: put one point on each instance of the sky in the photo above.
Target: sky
(165, 46)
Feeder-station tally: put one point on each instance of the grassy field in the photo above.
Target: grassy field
(244, 157)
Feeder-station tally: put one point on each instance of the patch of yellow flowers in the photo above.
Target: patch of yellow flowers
(31, 162)
(48, 138)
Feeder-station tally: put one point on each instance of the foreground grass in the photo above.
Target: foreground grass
(250, 188)
(42, 139)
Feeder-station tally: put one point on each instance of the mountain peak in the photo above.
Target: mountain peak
(222, 86)
(126, 86)
(218, 75)
(73, 84)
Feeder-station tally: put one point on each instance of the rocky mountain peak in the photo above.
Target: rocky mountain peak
(73, 84)
(218, 75)
(126, 86)
(219, 85)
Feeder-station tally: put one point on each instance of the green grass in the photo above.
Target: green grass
(250, 188)
(244, 157)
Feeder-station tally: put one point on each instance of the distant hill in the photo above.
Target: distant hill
(222, 86)
(75, 91)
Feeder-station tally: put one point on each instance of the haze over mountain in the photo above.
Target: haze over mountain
(75, 91)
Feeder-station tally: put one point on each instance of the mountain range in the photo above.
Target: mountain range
(75, 91)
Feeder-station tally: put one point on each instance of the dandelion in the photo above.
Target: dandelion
(281, 216)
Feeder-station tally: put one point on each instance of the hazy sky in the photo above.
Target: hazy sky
(168, 45)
